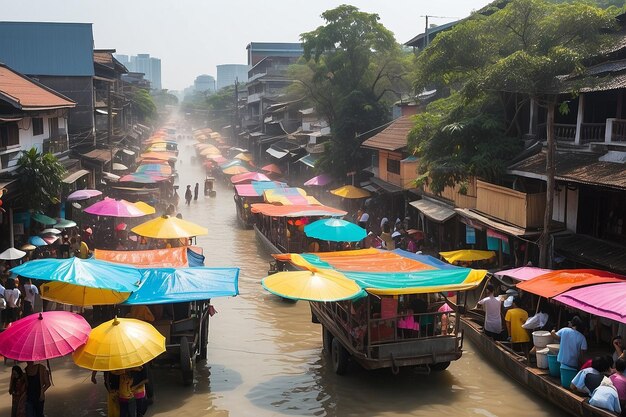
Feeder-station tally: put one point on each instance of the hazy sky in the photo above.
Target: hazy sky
(193, 36)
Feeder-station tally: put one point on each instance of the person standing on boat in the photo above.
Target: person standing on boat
(515, 318)
(493, 318)
(573, 343)
(195, 192)
(188, 195)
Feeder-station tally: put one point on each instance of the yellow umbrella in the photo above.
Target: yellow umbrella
(315, 285)
(234, 170)
(78, 295)
(167, 227)
(120, 344)
(210, 150)
(145, 207)
(350, 191)
(467, 255)
(243, 157)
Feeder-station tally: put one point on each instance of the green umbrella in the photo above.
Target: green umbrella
(43, 219)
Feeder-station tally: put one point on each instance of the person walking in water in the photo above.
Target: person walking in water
(188, 195)
(195, 192)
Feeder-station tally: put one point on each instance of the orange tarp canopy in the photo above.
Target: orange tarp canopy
(156, 258)
(162, 156)
(557, 282)
(296, 210)
(364, 260)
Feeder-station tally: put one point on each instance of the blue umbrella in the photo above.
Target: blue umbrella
(86, 272)
(231, 164)
(37, 241)
(335, 230)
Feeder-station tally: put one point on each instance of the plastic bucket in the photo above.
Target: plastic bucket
(567, 374)
(542, 359)
(541, 338)
(554, 366)
(554, 348)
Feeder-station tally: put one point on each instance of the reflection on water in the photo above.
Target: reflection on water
(265, 355)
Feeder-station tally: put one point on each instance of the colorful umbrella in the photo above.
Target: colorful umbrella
(335, 230)
(37, 241)
(50, 239)
(83, 195)
(243, 157)
(210, 150)
(44, 336)
(86, 272)
(248, 177)
(320, 180)
(167, 227)
(272, 168)
(50, 231)
(311, 285)
(145, 207)
(523, 273)
(79, 295)
(234, 170)
(350, 191)
(231, 163)
(114, 208)
(12, 254)
(28, 247)
(119, 167)
(159, 156)
(64, 224)
(142, 178)
(467, 255)
(218, 159)
(163, 170)
(43, 219)
(120, 344)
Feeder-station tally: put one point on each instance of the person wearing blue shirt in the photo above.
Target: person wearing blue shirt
(606, 397)
(573, 343)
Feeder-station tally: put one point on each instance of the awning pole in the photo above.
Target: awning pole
(11, 237)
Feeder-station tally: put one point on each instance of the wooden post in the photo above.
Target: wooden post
(550, 173)
(579, 118)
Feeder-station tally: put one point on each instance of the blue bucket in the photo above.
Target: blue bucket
(554, 366)
(567, 374)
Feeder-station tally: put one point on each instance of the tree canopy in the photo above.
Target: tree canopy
(41, 177)
(351, 68)
(143, 105)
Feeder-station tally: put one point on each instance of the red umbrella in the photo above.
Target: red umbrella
(44, 336)
(272, 168)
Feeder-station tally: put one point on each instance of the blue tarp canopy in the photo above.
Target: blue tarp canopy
(170, 285)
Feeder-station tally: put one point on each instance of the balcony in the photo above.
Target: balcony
(510, 206)
(465, 199)
(253, 98)
(56, 144)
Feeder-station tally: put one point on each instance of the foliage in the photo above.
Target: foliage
(41, 176)
(143, 105)
(351, 70)
(163, 98)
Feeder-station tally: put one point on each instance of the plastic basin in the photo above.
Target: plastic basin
(542, 358)
(542, 338)
(567, 374)
(554, 348)
(554, 366)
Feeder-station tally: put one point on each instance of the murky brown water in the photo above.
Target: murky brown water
(265, 356)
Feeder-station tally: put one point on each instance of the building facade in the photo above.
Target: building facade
(256, 51)
(204, 83)
(227, 74)
(145, 64)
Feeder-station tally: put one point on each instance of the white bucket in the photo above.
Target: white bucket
(542, 358)
(553, 348)
(541, 338)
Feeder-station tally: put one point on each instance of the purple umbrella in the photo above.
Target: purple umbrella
(320, 180)
(114, 208)
(83, 195)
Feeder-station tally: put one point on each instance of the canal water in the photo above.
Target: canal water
(265, 356)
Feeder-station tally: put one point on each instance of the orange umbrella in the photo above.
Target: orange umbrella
(235, 169)
(272, 168)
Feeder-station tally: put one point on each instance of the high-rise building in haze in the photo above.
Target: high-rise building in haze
(259, 50)
(204, 83)
(228, 73)
(144, 63)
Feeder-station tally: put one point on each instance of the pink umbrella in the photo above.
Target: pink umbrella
(83, 195)
(604, 300)
(248, 176)
(320, 180)
(114, 208)
(219, 159)
(272, 168)
(44, 336)
(50, 239)
(523, 273)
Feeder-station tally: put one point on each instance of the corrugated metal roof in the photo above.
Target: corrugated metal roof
(44, 48)
(394, 136)
(593, 252)
(26, 94)
(578, 167)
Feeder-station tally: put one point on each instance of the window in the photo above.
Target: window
(37, 126)
(53, 123)
(9, 135)
(393, 166)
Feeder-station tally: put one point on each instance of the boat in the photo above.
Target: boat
(406, 316)
(248, 194)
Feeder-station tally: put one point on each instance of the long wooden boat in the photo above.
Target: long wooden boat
(537, 380)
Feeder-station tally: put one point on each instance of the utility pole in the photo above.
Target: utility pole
(110, 123)
(426, 31)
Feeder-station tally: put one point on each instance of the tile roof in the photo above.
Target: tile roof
(26, 94)
(578, 167)
(393, 137)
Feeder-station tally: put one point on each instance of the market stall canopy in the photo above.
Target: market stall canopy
(50, 231)
(319, 180)
(243, 156)
(163, 170)
(114, 208)
(79, 295)
(168, 227)
(37, 241)
(12, 254)
(142, 178)
(83, 195)
(296, 210)
(248, 177)
(218, 159)
(86, 272)
(231, 163)
(523, 273)
(42, 336)
(234, 170)
(256, 188)
(155, 258)
(289, 196)
(120, 344)
(209, 149)
(119, 167)
(170, 285)
(145, 207)
(43, 219)
(350, 191)
(557, 282)
(272, 168)
(159, 156)
(323, 286)
(467, 255)
(335, 230)
(603, 300)
(64, 224)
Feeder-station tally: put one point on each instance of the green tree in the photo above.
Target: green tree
(351, 68)
(163, 98)
(143, 105)
(41, 177)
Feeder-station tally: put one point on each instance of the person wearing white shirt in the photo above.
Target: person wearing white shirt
(493, 317)
(12, 297)
(30, 292)
(364, 219)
